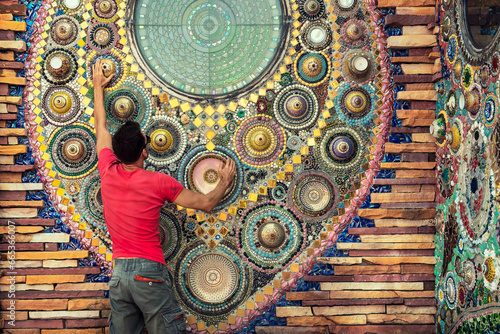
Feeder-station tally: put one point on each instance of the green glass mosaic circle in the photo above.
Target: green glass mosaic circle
(208, 48)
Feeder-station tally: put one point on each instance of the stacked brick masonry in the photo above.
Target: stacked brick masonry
(51, 290)
(386, 284)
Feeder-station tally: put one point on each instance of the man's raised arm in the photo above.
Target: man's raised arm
(101, 127)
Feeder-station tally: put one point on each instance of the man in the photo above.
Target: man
(141, 289)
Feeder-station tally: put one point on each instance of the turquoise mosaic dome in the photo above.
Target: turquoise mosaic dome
(186, 45)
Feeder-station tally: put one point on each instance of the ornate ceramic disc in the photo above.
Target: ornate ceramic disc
(270, 235)
(340, 150)
(296, 107)
(59, 66)
(211, 282)
(61, 105)
(259, 141)
(73, 150)
(314, 195)
(199, 168)
(168, 140)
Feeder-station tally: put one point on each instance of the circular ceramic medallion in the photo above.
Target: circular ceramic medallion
(440, 295)
(484, 76)
(473, 102)
(211, 282)
(491, 270)
(355, 104)
(59, 66)
(102, 37)
(73, 150)
(461, 295)
(312, 69)
(339, 150)
(279, 192)
(271, 234)
(112, 62)
(259, 141)
(354, 34)
(494, 63)
(309, 162)
(358, 66)
(105, 10)
(61, 105)
(294, 143)
(168, 140)
(451, 103)
(467, 76)
(199, 171)
(314, 194)
(64, 30)
(129, 103)
(311, 10)
(296, 108)
(315, 36)
(451, 49)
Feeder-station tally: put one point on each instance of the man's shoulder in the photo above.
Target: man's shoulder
(106, 153)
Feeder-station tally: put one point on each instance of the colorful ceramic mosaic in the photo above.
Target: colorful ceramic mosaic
(466, 129)
(296, 92)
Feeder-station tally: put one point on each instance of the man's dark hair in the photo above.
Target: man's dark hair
(128, 142)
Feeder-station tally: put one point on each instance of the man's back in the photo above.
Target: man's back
(132, 202)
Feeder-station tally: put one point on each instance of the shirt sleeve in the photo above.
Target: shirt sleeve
(170, 188)
(106, 159)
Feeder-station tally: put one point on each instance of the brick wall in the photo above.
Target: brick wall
(51, 288)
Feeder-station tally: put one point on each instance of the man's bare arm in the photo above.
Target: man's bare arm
(207, 202)
(101, 127)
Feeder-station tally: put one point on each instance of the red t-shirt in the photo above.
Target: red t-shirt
(132, 203)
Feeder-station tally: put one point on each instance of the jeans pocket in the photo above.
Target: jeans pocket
(147, 279)
(175, 323)
(113, 283)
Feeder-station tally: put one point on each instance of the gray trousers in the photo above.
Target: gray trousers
(141, 292)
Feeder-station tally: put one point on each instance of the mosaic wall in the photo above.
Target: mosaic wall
(468, 271)
(303, 108)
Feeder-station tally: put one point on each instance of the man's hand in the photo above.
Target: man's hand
(98, 78)
(227, 172)
(193, 200)
(100, 81)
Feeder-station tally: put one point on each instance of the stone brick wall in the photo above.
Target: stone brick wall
(382, 284)
(52, 294)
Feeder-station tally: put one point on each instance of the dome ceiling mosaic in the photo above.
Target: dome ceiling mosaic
(208, 48)
(298, 93)
(468, 133)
